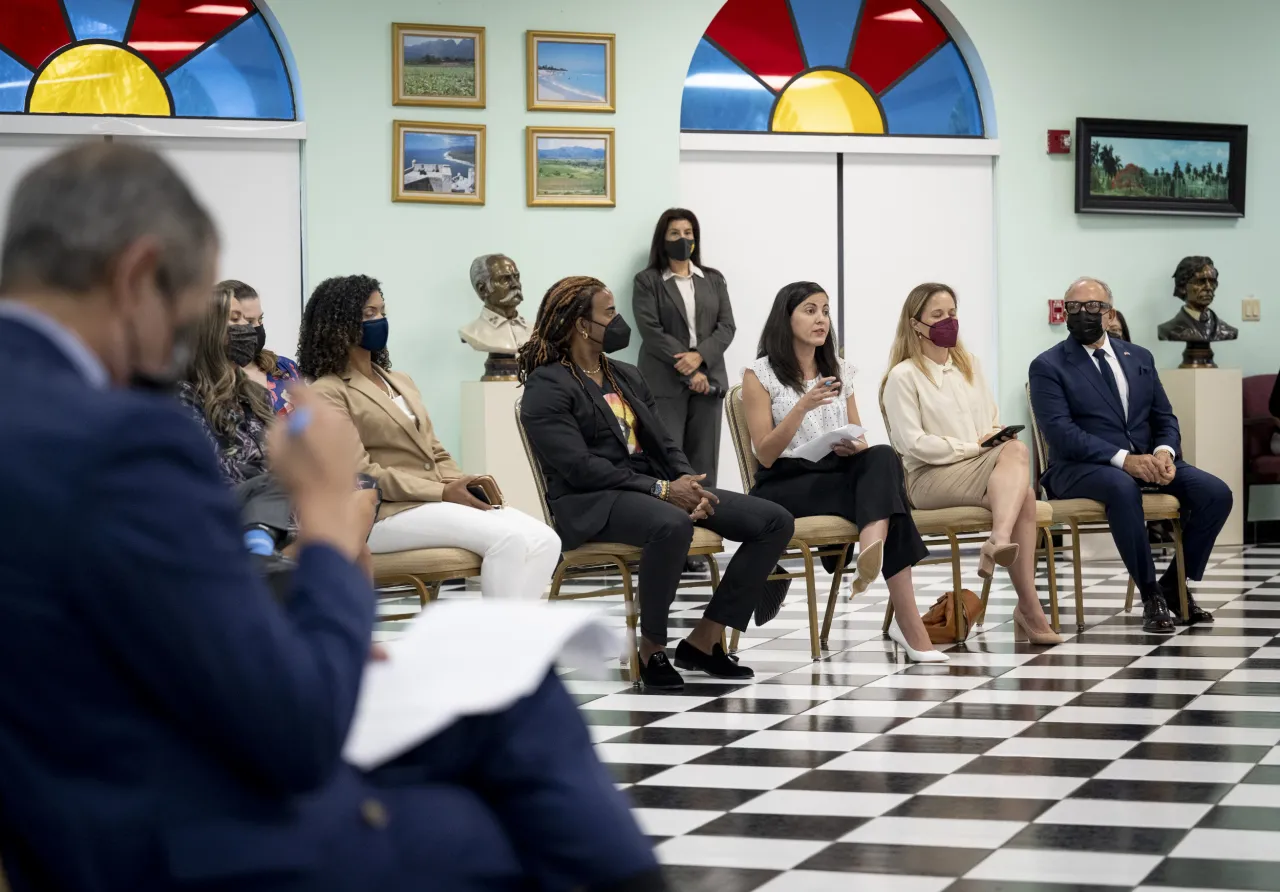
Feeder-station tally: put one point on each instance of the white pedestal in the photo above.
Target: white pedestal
(1210, 414)
(491, 443)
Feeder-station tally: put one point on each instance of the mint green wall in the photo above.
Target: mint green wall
(1048, 61)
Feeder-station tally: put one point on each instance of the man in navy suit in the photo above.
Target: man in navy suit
(164, 722)
(1111, 433)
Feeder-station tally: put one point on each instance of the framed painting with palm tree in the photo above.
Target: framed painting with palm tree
(1160, 167)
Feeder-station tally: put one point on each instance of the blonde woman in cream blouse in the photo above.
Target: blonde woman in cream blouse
(940, 410)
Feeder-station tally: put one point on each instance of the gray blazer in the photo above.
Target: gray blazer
(659, 313)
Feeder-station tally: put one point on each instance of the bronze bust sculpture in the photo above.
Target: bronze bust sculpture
(499, 331)
(1196, 281)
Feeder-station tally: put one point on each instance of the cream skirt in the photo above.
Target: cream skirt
(960, 484)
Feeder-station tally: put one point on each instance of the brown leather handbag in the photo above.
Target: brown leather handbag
(486, 489)
(950, 618)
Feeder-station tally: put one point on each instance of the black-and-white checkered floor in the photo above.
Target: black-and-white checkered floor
(1117, 759)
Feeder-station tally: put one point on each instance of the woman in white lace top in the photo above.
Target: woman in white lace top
(798, 390)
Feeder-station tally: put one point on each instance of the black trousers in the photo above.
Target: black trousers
(693, 421)
(1206, 504)
(862, 488)
(664, 532)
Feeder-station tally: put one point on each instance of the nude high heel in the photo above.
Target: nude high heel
(1022, 632)
(916, 656)
(993, 555)
(870, 561)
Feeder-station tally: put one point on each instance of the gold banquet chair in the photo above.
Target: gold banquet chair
(814, 537)
(970, 525)
(593, 558)
(423, 569)
(1086, 517)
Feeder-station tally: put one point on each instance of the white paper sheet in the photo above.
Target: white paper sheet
(816, 450)
(463, 658)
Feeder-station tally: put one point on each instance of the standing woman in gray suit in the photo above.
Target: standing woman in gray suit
(684, 318)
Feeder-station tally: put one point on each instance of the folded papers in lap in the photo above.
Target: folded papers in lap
(432, 677)
(816, 450)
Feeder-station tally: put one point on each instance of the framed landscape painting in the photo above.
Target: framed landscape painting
(438, 163)
(568, 167)
(570, 72)
(1160, 167)
(438, 65)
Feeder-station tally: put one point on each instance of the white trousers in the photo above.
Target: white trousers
(520, 553)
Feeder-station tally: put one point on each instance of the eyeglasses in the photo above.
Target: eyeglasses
(1093, 306)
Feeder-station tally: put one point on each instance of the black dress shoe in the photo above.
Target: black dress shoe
(696, 566)
(717, 664)
(1155, 616)
(658, 675)
(1195, 613)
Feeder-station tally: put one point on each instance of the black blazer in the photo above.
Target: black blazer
(659, 312)
(579, 444)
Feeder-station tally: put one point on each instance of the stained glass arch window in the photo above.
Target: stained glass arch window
(830, 67)
(218, 59)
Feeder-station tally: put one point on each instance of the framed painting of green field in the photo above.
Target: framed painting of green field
(1160, 167)
(438, 163)
(570, 167)
(569, 72)
(438, 65)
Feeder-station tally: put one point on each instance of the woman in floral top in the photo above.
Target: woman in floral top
(261, 366)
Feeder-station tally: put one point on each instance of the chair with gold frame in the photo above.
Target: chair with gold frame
(1085, 517)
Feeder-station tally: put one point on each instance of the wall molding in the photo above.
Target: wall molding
(846, 144)
(92, 125)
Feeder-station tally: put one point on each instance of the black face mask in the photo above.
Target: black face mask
(1086, 327)
(617, 335)
(242, 343)
(262, 339)
(679, 248)
(166, 382)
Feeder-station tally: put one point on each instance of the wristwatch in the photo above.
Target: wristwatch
(660, 489)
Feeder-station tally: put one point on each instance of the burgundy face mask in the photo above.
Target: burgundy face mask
(946, 332)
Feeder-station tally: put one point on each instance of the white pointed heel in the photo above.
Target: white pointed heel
(869, 563)
(916, 656)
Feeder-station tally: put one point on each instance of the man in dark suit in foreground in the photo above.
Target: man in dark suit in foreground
(1111, 432)
(164, 722)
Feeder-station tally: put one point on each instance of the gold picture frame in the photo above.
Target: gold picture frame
(438, 76)
(562, 167)
(423, 170)
(564, 71)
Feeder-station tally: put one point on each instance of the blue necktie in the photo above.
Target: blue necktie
(1109, 377)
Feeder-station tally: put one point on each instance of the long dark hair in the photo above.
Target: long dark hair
(778, 343)
(331, 326)
(657, 248)
(563, 305)
(221, 389)
(1124, 327)
(266, 361)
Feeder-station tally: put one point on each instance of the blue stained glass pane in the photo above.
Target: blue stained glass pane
(718, 95)
(937, 99)
(14, 78)
(240, 76)
(826, 30)
(99, 19)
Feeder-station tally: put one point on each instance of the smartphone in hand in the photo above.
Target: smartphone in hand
(999, 436)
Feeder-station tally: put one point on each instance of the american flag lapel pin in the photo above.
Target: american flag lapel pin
(1126, 353)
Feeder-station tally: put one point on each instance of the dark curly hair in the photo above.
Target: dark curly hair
(331, 326)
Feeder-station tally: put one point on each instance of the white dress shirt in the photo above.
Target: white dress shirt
(1122, 383)
(935, 416)
(684, 284)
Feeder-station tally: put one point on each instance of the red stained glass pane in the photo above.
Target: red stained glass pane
(758, 33)
(168, 31)
(894, 36)
(32, 30)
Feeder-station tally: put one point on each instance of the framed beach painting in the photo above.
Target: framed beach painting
(1160, 167)
(438, 163)
(570, 167)
(438, 65)
(570, 72)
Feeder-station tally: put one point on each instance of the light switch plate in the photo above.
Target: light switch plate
(1251, 309)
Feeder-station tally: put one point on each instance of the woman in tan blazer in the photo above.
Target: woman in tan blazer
(425, 500)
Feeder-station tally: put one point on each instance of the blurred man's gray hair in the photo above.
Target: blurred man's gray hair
(72, 216)
(1085, 280)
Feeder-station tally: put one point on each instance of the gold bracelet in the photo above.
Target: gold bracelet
(666, 491)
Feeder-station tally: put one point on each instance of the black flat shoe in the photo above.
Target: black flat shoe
(717, 664)
(1155, 616)
(657, 674)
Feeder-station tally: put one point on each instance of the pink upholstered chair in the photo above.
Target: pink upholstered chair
(1260, 466)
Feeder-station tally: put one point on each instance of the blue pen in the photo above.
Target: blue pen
(298, 421)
